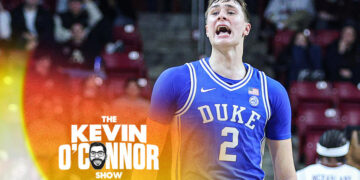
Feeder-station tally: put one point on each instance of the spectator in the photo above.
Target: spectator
(85, 13)
(5, 28)
(88, 106)
(44, 89)
(301, 60)
(79, 50)
(349, 14)
(122, 12)
(131, 107)
(331, 13)
(342, 57)
(291, 14)
(5, 19)
(31, 25)
(42, 74)
(331, 148)
(61, 6)
(125, 13)
(328, 16)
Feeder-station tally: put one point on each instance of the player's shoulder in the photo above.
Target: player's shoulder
(350, 168)
(174, 73)
(182, 71)
(314, 167)
(274, 87)
(310, 168)
(277, 93)
(176, 77)
(176, 70)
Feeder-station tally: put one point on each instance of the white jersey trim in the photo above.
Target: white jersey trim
(192, 92)
(225, 85)
(176, 148)
(265, 95)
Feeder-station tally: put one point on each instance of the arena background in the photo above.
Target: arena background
(141, 38)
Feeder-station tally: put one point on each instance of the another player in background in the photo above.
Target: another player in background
(332, 149)
(353, 157)
(221, 109)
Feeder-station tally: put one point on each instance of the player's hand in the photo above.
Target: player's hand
(355, 147)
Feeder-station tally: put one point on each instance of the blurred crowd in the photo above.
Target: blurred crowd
(310, 39)
(319, 39)
(316, 50)
(74, 32)
(84, 59)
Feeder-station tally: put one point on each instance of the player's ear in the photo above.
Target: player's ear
(247, 29)
(206, 30)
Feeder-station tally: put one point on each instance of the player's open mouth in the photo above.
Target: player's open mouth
(222, 29)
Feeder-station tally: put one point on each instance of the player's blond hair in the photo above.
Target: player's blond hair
(241, 2)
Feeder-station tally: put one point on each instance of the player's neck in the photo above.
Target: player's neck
(330, 162)
(228, 63)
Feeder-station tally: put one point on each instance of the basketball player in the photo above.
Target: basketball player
(222, 110)
(331, 149)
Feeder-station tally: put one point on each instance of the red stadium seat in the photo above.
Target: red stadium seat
(124, 61)
(311, 93)
(115, 87)
(351, 116)
(348, 96)
(11, 4)
(130, 35)
(75, 84)
(147, 90)
(281, 40)
(310, 146)
(323, 38)
(303, 106)
(318, 119)
(347, 92)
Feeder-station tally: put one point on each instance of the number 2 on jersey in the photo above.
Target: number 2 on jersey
(235, 134)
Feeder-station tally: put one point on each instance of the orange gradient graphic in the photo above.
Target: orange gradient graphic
(14, 153)
(53, 102)
(47, 102)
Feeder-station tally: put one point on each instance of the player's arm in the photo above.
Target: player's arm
(278, 132)
(355, 147)
(157, 133)
(163, 106)
(282, 158)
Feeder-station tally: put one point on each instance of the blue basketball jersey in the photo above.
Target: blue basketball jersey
(220, 126)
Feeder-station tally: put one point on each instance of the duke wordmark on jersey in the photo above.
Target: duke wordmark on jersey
(222, 115)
